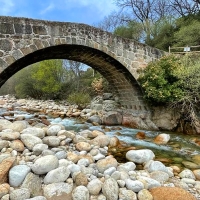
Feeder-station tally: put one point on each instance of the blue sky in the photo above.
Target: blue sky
(81, 11)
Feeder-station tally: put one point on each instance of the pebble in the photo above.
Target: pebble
(49, 162)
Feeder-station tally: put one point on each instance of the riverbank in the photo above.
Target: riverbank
(40, 160)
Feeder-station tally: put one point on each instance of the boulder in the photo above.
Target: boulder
(171, 193)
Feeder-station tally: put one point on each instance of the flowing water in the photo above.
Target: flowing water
(179, 148)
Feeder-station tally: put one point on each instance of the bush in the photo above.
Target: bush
(160, 80)
(79, 98)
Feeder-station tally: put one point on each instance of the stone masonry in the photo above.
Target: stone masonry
(26, 41)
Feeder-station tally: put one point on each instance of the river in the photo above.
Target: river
(181, 148)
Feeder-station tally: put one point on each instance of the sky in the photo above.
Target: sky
(81, 11)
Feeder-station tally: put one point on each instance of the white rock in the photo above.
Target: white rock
(57, 175)
(80, 193)
(57, 189)
(129, 166)
(155, 166)
(94, 186)
(125, 194)
(17, 174)
(150, 183)
(30, 140)
(45, 164)
(52, 141)
(135, 186)
(140, 156)
(53, 130)
(38, 132)
(20, 194)
(187, 173)
(110, 189)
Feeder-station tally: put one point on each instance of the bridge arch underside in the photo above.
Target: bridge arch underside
(124, 85)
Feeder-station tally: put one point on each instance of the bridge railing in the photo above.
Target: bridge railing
(183, 50)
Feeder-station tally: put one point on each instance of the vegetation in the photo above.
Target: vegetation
(55, 79)
(174, 81)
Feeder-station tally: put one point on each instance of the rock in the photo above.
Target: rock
(94, 133)
(109, 105)
(38, 132)
(140, 156)
(134, 122)
(152, 166)
(53, 130)
(149, 182)
(20, 194)
(45, 164)
(162, 138)
(4, 189)
(106, 163)
(18, 126)
(125, 194)
(94, 186)
(54, 190)
(61, 155)
(114, 142)
(191, 165)
(197, 174)
(196, 158)
(81, 179)
(17, 174)
(159, 176)
(144, 195)
(110, 189)
(101, 140)
(128, 166)
(94, 118)
(186, 173)
(30, 140)
(135, 186)
(83, 146)
(17, 145)
(5, 124)
(5, 166)
(57, 175)
(33, 183)
(10, 135)
(39, 148)
(80, 193)
(171, 193)
(3, 144)
(52, 141)
(112, 118)
(37, 198)
(140, 135)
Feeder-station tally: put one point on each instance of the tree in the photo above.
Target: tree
(132, 30)
(49, 76)
(185, 7)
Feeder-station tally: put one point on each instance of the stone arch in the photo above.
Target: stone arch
(25, 41)
(121, 80)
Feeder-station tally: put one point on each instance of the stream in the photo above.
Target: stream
(180, 147)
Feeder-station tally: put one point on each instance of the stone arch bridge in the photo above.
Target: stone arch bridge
(26, 41)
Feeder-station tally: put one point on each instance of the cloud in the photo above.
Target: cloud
(50, 7)
(6, 7)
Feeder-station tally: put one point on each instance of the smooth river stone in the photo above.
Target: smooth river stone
(110, 189)
(17, 174)
(57, 175)
(30, 140)
(45, 164)
(140, 156)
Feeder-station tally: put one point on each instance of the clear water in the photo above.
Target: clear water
(180, 147)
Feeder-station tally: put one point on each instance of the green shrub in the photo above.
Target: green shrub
(79, 98)
(160, 80)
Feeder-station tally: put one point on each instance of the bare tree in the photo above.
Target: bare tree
(185, 7)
